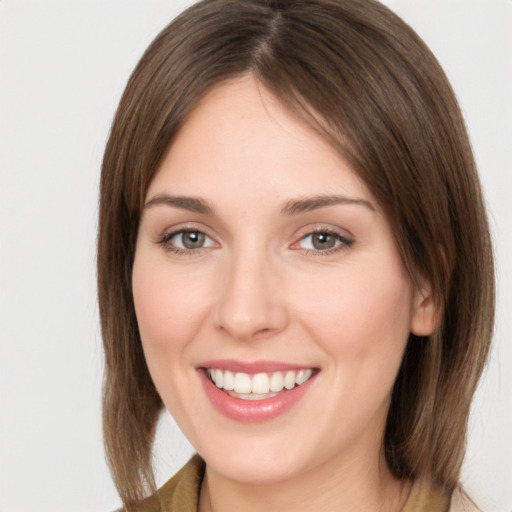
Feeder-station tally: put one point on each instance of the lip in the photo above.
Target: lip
(252, 411)
(251, 367)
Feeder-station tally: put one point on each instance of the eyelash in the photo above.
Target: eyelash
(165, 242)
(343, 242)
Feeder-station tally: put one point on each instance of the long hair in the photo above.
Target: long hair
(367, 83)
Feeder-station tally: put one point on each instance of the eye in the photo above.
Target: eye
(323, 241)
(186, 240)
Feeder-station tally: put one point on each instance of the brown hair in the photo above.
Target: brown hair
(368, 84)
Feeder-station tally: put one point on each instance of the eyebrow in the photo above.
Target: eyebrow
(308, 204)
(193, 204)
(291, 207)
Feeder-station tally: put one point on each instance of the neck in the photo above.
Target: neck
(355, 486)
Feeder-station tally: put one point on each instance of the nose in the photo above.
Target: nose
(250, 302)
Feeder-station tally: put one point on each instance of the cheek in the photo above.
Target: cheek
(168, 305)
(362, 318)
(362, 325)
(170, 313)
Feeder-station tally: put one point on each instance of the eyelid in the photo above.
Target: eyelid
(167, 235)
(182, 232)
(343, 237)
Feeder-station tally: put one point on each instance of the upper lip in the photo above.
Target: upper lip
(251, 367)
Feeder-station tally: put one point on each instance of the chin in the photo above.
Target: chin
(256, 469)
(259, 458)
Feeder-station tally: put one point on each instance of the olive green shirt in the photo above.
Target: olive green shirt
(181, 493)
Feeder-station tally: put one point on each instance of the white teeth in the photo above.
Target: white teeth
(252, 396)
(276, 382)
(229, 381)
(303, 376)
(242, 383)
(218, 378)
(289, 380)
(259, 385)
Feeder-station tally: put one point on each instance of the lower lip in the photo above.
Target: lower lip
(252, 411)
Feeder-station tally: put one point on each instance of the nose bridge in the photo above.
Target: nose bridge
(248, 304)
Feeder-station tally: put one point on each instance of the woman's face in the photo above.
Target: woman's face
(263, 260)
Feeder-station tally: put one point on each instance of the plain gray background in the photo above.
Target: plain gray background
(63, 66)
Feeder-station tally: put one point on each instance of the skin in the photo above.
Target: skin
(258, 289)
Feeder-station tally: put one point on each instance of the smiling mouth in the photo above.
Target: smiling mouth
(259, 386)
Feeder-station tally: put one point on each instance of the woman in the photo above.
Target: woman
(294, 260)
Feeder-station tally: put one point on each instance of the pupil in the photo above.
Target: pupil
(193, 239)
(323, 241)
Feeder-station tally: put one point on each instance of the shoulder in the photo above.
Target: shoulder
(461, 502)
(424, 498)
(181, 492)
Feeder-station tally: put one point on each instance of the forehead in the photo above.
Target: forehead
(240, 139)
